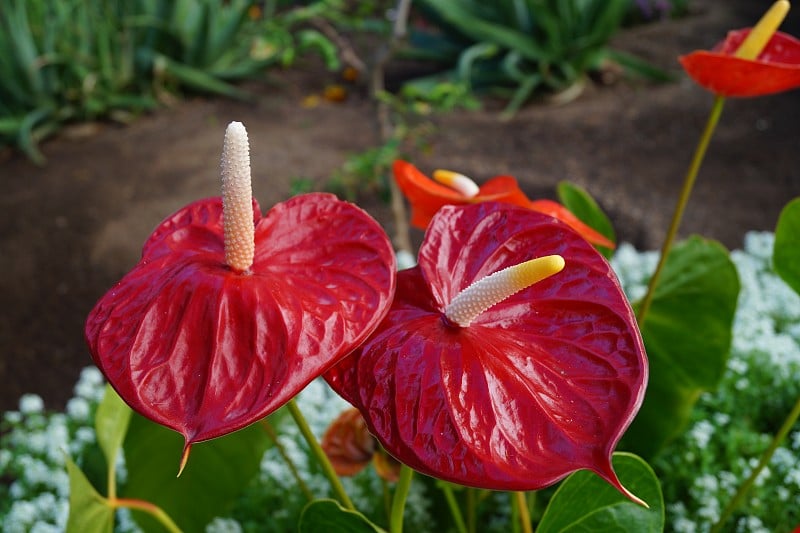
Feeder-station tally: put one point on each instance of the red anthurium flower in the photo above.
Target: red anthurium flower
(427, 197)
(478, 377)
(749, 62)
(229, 313)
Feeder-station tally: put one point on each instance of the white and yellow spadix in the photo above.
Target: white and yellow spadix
(457, 182)
(237, 199)
(493, 289)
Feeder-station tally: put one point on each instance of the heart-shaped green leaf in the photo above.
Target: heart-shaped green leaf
(584, 502)
(88, 511)
(330, 517)
(111, 424)
(218, 472)
(687, 335)
(786, 256)
(583, 206)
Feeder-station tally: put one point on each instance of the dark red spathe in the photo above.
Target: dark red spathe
(204, 350)
(538, 386)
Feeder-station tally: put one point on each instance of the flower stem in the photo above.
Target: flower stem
(764, 461)
(399, 500)
(677, 215)
(522, 511)
(320, 456)
(455, 511)
(150, 508)
(270, 431)
(471, 509)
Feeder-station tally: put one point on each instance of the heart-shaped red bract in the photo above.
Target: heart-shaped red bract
(540, 385)
(776, 69)
(193, 345)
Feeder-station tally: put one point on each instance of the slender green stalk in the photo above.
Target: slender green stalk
(270, 431)
(319, 454)
(399, 500)
(680, 207)
(472, 507)
(387, 499)
(455, 510)
(150, 508)
(764, 461)
(521, 503)
(112, 480)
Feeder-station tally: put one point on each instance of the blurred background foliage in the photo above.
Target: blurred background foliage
(64, 61)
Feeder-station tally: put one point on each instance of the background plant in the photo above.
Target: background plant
(519, 47)
(71, 60)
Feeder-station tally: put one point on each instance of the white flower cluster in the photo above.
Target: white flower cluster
(40, 490)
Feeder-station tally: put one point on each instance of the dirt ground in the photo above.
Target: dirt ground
(72, 228)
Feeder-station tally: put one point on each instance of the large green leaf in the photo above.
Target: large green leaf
(786, 256)
(111, 424)
(88, 511)
(687, 335)
(584, 502)
(583, 206)
(330, 517)
(217, 472)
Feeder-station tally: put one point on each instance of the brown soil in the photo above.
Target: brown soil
(72, 228)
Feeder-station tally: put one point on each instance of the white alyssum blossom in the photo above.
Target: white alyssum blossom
(78, 409)
(702, 432)
(31, 404)
(224, 525)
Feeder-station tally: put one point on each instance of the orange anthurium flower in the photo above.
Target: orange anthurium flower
(427, 197)
(749, 62)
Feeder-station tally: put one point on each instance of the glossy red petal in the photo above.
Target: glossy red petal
(206, 351)
(502, 189)
(556, 210)
(776, 69)
(425, 195)
(540, 385)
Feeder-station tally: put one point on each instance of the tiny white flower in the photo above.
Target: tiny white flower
(78, 409)
(224, 525)
(31, 404)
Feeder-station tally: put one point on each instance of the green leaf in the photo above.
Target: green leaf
(584, 502)
(475, 27)
(786, 256)
(330, 517)
(687, 335)
(88, 511)
(583, 206)
(111, 424)
(217, 472)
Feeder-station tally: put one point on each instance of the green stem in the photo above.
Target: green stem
(399, 500)
(455, 511)
(521, 503)
(112, 479)
(150, 508)
(387, 499)
(765, 459)
(677, 215)
(471, 510)
(270, 431)
(320, 456)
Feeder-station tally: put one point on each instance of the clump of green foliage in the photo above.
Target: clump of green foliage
(75, 60)
(520, 47)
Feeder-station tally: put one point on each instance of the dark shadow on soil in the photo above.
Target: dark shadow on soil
(71, 229)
